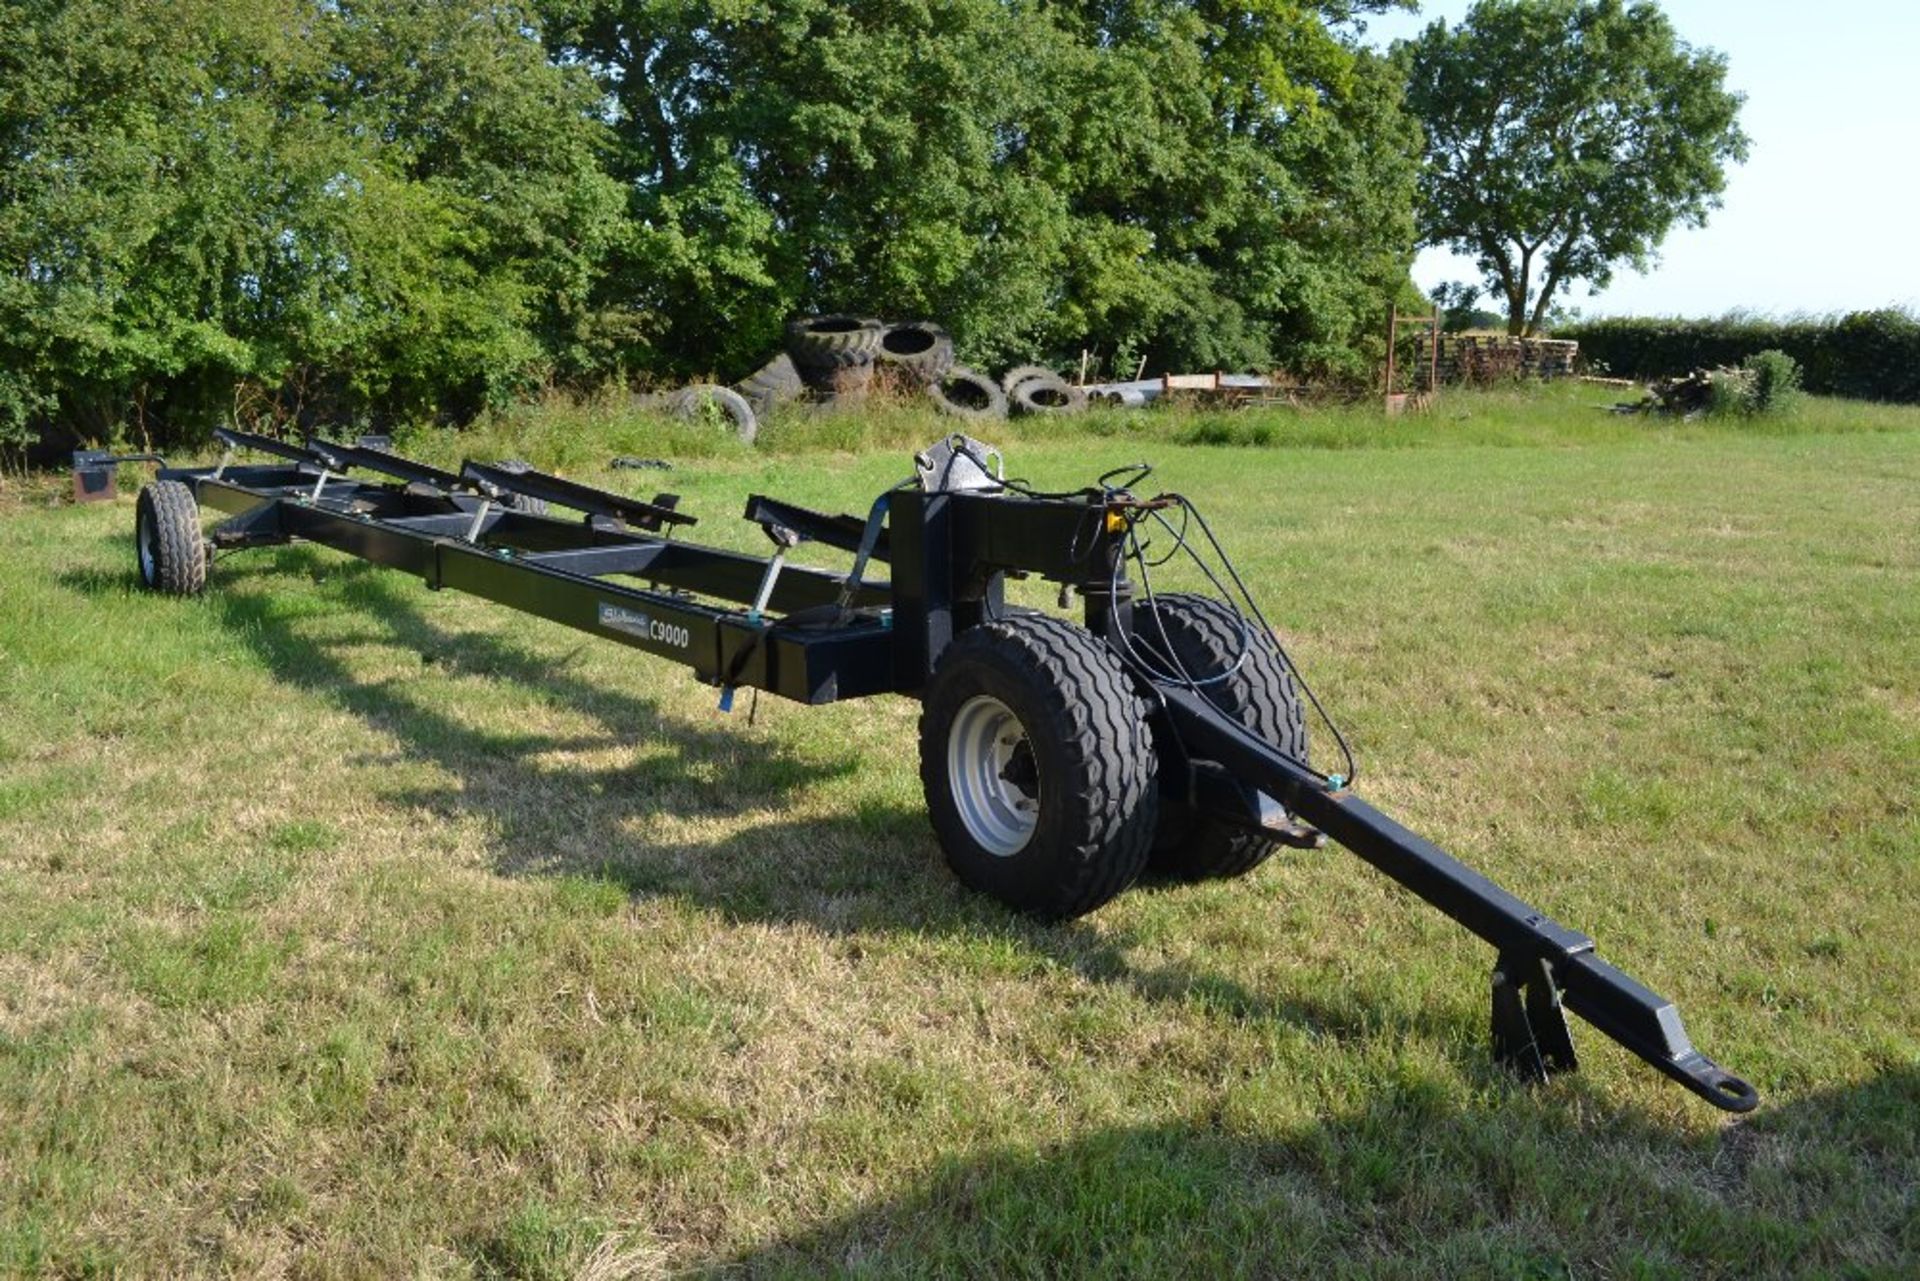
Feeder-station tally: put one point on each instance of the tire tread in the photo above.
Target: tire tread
(180, 549)
(1090, 704)
(1262, 694)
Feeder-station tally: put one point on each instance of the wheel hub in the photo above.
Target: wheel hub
(143, 538)
(994, 778)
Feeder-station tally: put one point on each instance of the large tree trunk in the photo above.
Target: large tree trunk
(1516, 283)
(1556, 268)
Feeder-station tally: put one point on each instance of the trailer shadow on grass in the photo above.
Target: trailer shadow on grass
(1822, 1185)
(874, 867)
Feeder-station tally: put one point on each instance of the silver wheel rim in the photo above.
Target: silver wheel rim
(143, 540)
(983, 742)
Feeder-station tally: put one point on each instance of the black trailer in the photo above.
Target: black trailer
(1059, 759)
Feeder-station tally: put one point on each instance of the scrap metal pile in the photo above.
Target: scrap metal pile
(837, 360)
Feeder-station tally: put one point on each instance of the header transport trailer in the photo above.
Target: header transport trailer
(1058, 759)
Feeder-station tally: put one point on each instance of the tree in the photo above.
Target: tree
(384, 207)
(1210, 185)
(1564, 138)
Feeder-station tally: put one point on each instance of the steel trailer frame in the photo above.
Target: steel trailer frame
(816, 636)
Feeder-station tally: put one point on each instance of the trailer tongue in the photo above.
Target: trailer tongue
(1060, 760)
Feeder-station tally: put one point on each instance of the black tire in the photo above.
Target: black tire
(919, 350)
(695, 403)
(168, 547)
(821, 344)
(772, 385)
(523, 502)
(1046, 394)
(1206, 638)
(1087, 775)
(1020, 373)
(965, 394)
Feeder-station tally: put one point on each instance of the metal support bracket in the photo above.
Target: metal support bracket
(869, 541)
(93, 473)
(775, 564)
(480, 514)
(1530, 1033)
(784, 541)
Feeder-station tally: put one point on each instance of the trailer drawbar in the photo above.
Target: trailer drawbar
(1059, 758)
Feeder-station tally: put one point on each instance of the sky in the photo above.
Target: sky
(1823, 215)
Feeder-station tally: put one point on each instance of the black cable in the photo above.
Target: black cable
(1233, 572)
(1181, 676)
(1135, 552)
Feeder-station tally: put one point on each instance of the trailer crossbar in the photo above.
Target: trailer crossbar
(338, 457)
(233, 438)
(496, 480)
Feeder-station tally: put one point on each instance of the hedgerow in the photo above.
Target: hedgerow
(1865, 355)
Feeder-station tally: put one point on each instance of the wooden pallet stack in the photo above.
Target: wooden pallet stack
(1487, 358)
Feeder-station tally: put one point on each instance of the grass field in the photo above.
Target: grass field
(352, 930)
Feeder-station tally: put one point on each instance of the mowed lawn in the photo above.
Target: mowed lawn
(348, 929)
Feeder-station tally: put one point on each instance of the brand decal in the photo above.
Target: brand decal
(635, 623)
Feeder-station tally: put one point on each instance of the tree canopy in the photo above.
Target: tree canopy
(211, 207)
(1565, 138)
(1215, 186)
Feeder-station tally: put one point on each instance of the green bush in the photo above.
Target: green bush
(1865, 355)
(1767, 383)
(1773, 385)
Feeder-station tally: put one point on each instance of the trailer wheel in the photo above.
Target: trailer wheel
(1038, 766)
(168, 545)
(1207, 638)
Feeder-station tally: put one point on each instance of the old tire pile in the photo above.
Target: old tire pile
(832, 360)
(771, 385)
(1046, 394)
(920, 352)
(965, 394)
(822, 345)
(836, 357)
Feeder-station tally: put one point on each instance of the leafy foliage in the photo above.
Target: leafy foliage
(1773, 382)
(1864, 355)
(401, 209)
(1565, 137)
(1212, 186)
(390, 207)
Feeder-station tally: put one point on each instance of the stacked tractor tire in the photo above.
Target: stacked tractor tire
(836, 360)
